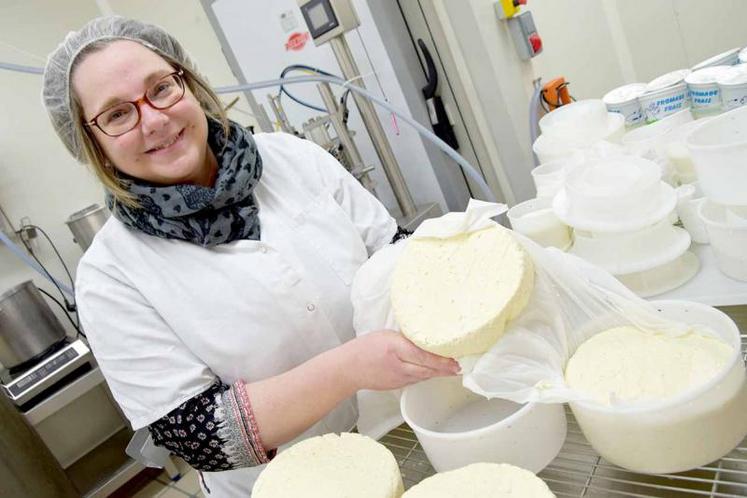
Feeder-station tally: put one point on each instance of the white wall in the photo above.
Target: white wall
(38, 178)
(600, 44)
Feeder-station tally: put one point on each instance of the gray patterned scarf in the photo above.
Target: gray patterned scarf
(207, 216)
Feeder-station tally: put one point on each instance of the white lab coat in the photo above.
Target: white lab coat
(166, 317)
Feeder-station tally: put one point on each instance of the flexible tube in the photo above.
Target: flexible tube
(468, 169)
(33, 264)
(21, 69)
(534, 103)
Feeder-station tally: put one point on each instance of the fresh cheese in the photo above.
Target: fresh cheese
(482, 480)
(629, 365)
(331, 466)
(454, 296)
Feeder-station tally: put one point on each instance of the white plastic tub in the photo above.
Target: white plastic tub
(684, 432)
(549, 177)
(664, 278)
(624, 100)
(629, 252)
(536, 219)
(728, 58)
(688, 204)
(733, 87)
(648, 141)
(728, 237)
(705, 95)
(719, 152)
(457, 427)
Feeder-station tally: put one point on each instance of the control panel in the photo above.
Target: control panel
(328, 18)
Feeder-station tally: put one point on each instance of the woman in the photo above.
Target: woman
(216, 299)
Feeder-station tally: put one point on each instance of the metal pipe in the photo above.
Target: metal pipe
(335, 116)
(279, 112)
(371, 121)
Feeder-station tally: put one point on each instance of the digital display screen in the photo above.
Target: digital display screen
(49, 368)
(318, 16)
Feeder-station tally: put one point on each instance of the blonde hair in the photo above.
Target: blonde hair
(94, 154)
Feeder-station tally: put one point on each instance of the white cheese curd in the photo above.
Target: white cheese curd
(482, 480)
(454, 296)
(628, 365)
(332, 466)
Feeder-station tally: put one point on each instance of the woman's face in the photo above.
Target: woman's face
(167, 146)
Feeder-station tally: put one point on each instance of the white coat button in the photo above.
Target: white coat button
(310, 307)
(263, 249)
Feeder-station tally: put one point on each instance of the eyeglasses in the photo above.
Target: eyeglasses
(125, 116)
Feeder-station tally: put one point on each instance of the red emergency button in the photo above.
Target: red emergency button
(536, 42)
(519, 2)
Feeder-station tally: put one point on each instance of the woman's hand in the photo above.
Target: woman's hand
(386, 360)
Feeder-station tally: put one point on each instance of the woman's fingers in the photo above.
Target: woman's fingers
(414, 355)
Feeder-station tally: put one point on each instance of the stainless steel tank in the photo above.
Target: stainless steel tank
(85, 223)
(28, 327)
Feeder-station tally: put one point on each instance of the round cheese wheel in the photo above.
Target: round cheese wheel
(331, 466)
(481, 480)
(629, 365)
(454, 296)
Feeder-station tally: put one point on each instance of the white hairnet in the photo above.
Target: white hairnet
(56, 93)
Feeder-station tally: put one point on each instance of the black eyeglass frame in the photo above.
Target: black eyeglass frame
(177, 75)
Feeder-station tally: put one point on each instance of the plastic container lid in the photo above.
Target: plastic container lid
(729, 57)
(624, 93)
(706, 75)
(585, 121)
(616, 194)
(736, 75)
(667, 80)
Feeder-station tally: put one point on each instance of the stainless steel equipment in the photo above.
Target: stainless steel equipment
(85, 223)
(28, 328)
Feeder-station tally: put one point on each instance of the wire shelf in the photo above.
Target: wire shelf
(579, 472)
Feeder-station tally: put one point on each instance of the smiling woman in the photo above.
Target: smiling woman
(216, 299)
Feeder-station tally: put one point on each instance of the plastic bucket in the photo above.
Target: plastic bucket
(688, 204)
(705, 96)
(692, 429)
(536, 219)
(733, 87)
(624, 100)
(549, 177)
(457, 427)
(728, 240)
(719, 153)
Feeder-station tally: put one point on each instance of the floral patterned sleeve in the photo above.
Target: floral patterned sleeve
(214, 430)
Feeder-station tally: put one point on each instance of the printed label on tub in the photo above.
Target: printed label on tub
(703, 98)
(663, 107)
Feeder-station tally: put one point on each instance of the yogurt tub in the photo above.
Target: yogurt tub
(667, 80)
(733, 87)
(705, 95)
(728, 58)
(456, 427)
(624, 100)
(686, 431)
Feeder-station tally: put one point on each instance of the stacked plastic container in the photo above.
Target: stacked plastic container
(621, 214)
(569, 135)
(719, 154)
